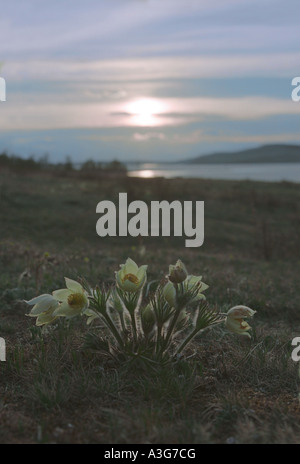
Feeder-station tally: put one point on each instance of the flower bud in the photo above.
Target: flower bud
(147, 319)
(177, 272)
(235, 320)
(169, 293)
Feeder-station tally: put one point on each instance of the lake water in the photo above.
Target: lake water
(269, 172)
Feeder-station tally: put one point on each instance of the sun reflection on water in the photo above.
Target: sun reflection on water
(143, 173)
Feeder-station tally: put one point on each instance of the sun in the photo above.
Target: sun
(144, 111)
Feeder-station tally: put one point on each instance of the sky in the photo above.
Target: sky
(147, 80)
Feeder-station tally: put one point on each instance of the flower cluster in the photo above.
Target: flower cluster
(149, 325)
(70, 301)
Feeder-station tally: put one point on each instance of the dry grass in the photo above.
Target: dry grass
(228, 390)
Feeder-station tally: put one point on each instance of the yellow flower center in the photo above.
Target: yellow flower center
(132, 278)
(243, 324)
(76, 300)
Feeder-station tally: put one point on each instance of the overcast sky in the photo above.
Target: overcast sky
(147, 79)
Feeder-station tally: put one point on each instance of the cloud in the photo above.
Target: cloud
(73, 64)
(178, 111)
(136, 69)
(74, 27)
(242, 108)
(199, 136)
(220, 66)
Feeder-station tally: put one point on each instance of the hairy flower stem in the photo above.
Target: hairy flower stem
(193, 334)
(133, 308)
(187, 340)
(113, 330)
(158, 338)
(171, 327)
(134, 329)
(173, 322)
(121, 316)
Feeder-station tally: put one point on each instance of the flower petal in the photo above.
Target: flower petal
(91, 316)
(129, 286)
(38, 299)
(141, 273)
(240, 311)
(73, 285)
(38, 309)
(131, 267)
(238, 326)
(90, 312)
(45, 318)
(119, 278)
(193, 280)
(62, 294)
(203, 287)
(65, 310)
(44, 303)
(169, 293)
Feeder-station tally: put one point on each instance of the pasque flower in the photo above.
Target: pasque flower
(131, 278)
(74, 299)
(191, 284)
(195, 283)
(43, 309)
(169, 293)
(177, 272)
(147, 319)
(140, 325)
(235, 320)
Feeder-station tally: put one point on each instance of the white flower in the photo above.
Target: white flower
(235, 320)
(131, 278)
(74, 299)
(195, 283)
(43, 309)
(191, 284)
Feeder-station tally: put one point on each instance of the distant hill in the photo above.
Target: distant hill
(263, 154)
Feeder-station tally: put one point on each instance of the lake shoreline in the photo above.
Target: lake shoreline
(263, 172)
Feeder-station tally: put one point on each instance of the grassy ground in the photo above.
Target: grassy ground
(229, 390)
